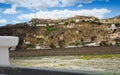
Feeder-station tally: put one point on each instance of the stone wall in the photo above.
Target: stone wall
(67, 51)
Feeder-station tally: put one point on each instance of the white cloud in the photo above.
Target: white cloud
(67, 3)
(30, 4)
(80, 5)
(3, 21)
(57, 14)
(11, 10)
(44, 4)
(16, 21)
(72, 2)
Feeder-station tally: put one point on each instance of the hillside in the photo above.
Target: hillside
(112, 20)
(76, 31)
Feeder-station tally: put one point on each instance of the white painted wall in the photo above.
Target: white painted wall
(4, 56)
(5, 43)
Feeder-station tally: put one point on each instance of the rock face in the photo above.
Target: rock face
(112, 20)
(75, 32)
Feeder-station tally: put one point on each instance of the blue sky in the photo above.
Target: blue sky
(16, 11)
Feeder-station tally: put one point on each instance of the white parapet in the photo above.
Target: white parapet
(5, 43)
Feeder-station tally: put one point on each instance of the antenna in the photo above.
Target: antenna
(34, 10)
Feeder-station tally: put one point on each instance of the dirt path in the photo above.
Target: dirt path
(111, 64)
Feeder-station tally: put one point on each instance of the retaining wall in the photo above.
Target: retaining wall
(68, 51)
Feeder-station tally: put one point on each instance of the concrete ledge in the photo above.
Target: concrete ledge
(5, 43)
(8, 70)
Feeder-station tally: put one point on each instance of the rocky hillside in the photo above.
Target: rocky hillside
(112, 20)
(72, 32)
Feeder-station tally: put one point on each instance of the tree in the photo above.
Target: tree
(103, 43)
(77, 43)
(117, 40)
(72, 21)
(66, 23)
(52, 45)
(82, 41)
(93, 38)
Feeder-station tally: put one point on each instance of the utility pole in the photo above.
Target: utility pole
(34, 10)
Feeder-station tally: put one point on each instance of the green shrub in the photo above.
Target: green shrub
(30, 46)
(50, 29)
(52, 45)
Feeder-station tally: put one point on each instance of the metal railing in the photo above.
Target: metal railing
(10, 70)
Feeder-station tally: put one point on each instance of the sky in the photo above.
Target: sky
(18, 11)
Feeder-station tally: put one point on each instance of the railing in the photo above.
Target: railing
(10, 70)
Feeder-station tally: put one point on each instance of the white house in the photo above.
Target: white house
(51, 24)
(113, 27)
(41, 25)
(77, 20)
(70, 26)
(61, 23)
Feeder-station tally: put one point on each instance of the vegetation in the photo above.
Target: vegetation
(88, 57)
(50, 29)
(66, 23)
(30, 46)
(52, 45)
(89, 30)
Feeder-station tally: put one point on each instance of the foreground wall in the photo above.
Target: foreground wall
(69, 51)
(10, 70)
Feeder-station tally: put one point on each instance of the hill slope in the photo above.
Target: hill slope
(74, 31)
